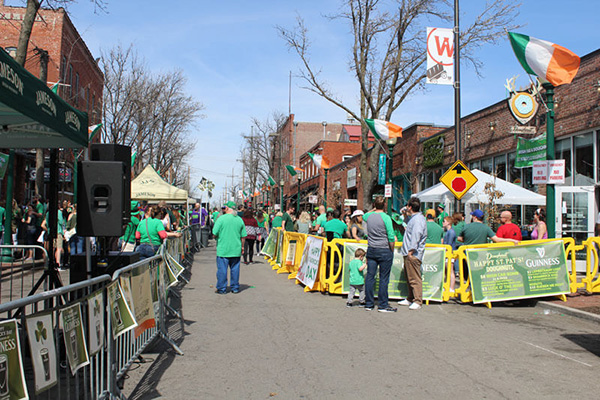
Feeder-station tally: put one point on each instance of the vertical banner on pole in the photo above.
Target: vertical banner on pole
(381, 175)
(440, 56)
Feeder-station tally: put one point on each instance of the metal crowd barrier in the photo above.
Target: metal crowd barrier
(20, 275)
(99, 378)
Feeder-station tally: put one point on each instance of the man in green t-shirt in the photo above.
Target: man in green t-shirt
(287, 221)
(441, 215)
(230, 232)
(320, 221)
(338, 228)
(434, 232)
(477, 232)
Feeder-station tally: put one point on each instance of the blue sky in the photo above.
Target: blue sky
(238, 66)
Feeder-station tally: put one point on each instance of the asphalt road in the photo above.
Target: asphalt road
(272, 340)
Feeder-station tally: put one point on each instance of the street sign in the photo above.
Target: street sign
(458, 179)
(351, 202)
(388, 190)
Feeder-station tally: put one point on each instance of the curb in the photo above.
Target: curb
(570, 311)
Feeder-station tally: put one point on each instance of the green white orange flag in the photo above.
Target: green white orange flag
(319, 160)
(549, 61)
(271, 181)
(384, 130)
(92, 130)
(293, 170)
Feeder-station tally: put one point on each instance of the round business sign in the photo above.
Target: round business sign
(523, 106)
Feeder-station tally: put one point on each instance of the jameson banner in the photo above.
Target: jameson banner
(74, 337)
(121, 316)
(530, 150)
(43, 352)
(270, 244)
(278, 255)
(518, 272)
(142, 300)
(290, 257)
(12, 379)
(432, 270)
(309, 263)
(96, 322)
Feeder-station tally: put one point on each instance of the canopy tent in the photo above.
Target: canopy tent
(149, 186)
(513, 194)
(32, 116)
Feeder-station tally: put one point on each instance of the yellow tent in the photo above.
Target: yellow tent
(149, 186)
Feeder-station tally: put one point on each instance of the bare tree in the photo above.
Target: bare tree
(388, 56)
(150, 113)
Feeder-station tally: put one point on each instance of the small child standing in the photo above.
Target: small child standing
(357, 279)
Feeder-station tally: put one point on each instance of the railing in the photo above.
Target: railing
(19, 275)
(89, 366)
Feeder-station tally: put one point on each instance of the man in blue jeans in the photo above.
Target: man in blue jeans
(230, 232)
(381, 240)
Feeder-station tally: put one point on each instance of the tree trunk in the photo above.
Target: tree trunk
(39, 153)
(28, 19)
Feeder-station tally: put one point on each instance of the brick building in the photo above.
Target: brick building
(70, 63)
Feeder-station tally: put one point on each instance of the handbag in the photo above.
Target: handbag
(69, 234)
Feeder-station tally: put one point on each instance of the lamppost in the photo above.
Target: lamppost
(298, 196)
(281, 182)
(391, 142)
(325, 187)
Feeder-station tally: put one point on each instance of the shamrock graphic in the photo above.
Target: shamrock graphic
(40, 332)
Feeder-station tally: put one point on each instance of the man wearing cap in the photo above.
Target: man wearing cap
(477, 232)
(127, 241)
(413, 248)
(230, 232)
(441, 215)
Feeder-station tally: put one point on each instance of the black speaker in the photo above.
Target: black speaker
(115, 152)
(102, 198)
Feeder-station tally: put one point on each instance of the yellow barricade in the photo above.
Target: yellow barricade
(290, 262)
(591, 282)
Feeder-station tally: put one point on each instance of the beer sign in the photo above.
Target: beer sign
(43, 352)
(12, 379)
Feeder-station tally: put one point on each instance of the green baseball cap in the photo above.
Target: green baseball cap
(231, 204)
(397, 218)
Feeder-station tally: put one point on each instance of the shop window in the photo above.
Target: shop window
(584, 160)
(474, 165)
(487, 165)
(514, 174)
(500, 166)
(562, 151)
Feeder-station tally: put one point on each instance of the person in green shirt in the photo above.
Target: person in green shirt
(337, 228)
(478, 233)
(434, 232)
(320, 221)
(127, 241)
(215, 214)
(230, 233)
(288, 221)
(278, 220)
(399, 226)
(151, 232)
(357, 278)
(441, 215)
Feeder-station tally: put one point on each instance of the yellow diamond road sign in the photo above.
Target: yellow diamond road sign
(458, 179)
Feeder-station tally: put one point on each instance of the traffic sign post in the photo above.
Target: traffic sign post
(458, 179)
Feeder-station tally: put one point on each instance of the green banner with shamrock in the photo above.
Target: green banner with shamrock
(43, 351)
(12, 378)
(121, 316)
(72, 324)
(519, 272)
(96, 322)
(432, 271)
(270, 246)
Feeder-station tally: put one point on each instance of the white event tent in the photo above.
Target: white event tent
(149, 186)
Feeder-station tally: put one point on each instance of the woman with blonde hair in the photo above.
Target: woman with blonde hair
(303, 223)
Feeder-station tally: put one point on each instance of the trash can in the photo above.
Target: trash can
(204, 233)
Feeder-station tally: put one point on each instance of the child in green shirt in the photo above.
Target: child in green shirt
(357, 279)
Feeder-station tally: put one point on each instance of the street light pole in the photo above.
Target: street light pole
(325, 187)
(391, 142)
(298, 197)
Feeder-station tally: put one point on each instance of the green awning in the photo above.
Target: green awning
(32, 116)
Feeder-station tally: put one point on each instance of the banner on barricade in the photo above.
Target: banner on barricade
(40, 330)
(76, 348)
(270, 246)
(169, 275)
(142, 300)
(125, 284)
(524, 271)
(278, 254)
(121, 316)
(12, 378)
(95, 322)
(176, 268)
(290, 257)
(432, 270)
(309, 263)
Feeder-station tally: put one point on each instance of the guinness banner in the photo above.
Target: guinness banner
(524, 271)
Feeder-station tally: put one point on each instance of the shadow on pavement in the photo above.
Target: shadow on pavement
(589, 341)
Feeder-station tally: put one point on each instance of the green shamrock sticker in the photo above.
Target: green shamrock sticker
(96, 307)
(40, 332)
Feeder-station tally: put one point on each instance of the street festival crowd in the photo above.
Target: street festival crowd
(241, 232)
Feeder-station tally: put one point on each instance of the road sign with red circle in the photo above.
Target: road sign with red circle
(458, 179)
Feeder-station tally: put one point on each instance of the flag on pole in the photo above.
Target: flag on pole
(244, 193)
(93, 130)
(549, 61)
(133, 156)
(293, 170)
(319, 160)
(271, 181)
(384, 130)
(54, 87)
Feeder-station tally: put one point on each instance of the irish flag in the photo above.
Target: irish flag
(293, 170)
(271, 181)
(384, 130)
(93, 129)
(319, 160)
(549, 61)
